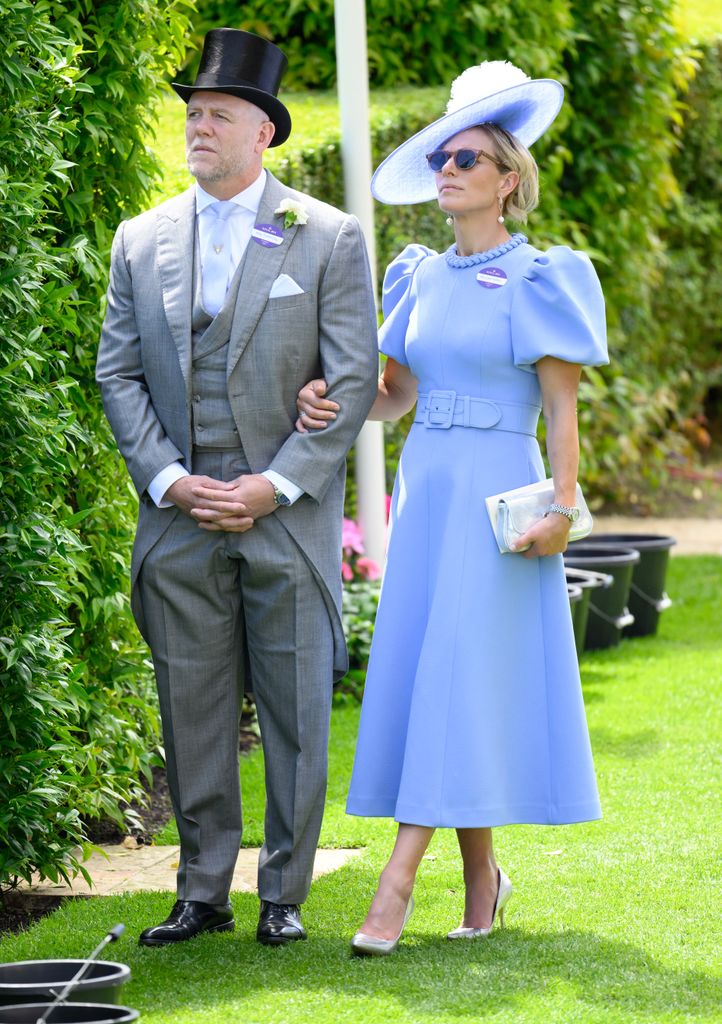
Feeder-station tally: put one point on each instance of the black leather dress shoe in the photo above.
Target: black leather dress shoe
(279, 923)
(187, 919)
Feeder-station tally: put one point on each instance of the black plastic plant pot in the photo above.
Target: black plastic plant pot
(68, 1013)
(586, 580)
(647, 596)
(608, 611)
(36, 981)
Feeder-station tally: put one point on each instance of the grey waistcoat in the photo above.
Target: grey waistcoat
(213, 423)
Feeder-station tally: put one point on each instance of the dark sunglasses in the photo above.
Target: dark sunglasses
(464, 159)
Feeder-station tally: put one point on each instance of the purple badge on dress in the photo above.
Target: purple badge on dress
(267, 234)
(491, 277)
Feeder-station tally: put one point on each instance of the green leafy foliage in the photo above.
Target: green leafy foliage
(627, 70)
(37, 429)
(689, 299)
(360, 601)
(78, 723)
(409, 43)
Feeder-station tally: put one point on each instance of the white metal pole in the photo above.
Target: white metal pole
(353, 89)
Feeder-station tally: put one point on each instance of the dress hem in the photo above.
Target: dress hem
(491, 817)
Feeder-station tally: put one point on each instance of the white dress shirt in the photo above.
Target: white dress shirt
(239, 229)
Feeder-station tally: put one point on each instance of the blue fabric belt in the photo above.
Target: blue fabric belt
(439, 410)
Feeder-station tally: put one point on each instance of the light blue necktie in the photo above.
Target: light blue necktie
(217, 265)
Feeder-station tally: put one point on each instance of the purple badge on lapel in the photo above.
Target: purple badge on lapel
(267, 234)
(491, 277)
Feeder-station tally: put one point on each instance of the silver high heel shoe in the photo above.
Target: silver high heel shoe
(502, 898)
(369, 945)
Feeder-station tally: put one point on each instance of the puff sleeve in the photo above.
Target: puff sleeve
(398, 300)
(558, 310)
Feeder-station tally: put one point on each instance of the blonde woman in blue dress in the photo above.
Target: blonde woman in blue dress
(472, 714)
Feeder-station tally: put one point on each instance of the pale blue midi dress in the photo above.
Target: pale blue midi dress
(472, 713)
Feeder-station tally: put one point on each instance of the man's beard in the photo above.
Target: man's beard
(227, 168)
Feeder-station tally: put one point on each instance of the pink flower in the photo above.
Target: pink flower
(346, 571)
(351, 539)
(368, 568)
(387, 502)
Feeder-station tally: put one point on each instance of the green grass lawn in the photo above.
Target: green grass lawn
(614, 921)
(699, 19)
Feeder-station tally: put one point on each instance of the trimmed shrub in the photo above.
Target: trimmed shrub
(40, 548)
(688, 300)
(627, 70)
(78, 722)
(409, 43)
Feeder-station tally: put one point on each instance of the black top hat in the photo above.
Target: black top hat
(244, 65)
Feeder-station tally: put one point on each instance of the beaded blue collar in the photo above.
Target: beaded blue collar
(455, 260)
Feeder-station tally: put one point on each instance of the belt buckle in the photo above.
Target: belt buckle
(440, 409)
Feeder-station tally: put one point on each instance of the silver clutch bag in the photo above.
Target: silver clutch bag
(513, 512)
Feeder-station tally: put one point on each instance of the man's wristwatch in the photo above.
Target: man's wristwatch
(279, 498)
(570, 511)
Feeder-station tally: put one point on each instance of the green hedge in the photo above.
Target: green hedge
(628, 72)
(409, 42)
(688, 299)
(78, 724)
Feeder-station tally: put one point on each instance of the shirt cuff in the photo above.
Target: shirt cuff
(163, 480)
(291, 490)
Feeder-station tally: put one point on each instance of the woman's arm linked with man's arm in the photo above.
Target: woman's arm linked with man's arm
(397, 393)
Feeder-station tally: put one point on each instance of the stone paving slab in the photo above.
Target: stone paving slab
(693, 536)
(119, 869)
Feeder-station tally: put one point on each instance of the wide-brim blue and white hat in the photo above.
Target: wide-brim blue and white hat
(492, 91)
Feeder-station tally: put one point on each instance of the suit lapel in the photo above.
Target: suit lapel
(176, 236)
(260, 269)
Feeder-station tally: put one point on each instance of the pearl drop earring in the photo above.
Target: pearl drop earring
(450, 221)
(500, 218)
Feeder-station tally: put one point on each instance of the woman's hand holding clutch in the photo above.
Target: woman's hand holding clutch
(314, 411)
(548, 536)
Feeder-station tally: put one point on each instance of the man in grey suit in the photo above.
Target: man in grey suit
(222, 303)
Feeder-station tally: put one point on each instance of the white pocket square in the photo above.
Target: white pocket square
(284, 285)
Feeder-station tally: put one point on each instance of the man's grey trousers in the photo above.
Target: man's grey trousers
(219, 605)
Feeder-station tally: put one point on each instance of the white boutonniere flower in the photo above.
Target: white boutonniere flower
(293, 213)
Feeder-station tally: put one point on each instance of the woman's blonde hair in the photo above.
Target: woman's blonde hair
(513, 156)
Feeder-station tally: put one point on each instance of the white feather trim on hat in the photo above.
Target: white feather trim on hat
(483, 80)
